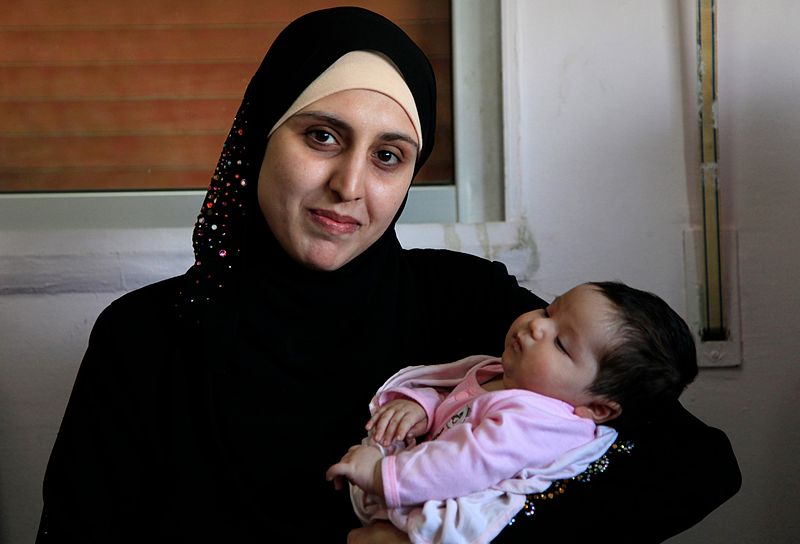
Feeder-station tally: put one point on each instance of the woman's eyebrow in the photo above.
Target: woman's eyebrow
(325, 117)
(394, 136)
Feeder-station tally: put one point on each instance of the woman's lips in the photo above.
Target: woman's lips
(335, 223)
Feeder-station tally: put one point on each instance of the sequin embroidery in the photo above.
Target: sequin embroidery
(559, 487)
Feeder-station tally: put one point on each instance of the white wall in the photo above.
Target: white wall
(609, 166)
(42, 339)
(602, 143)
(608, 148)
(760, 118)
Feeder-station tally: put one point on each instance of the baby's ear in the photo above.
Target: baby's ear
(599, 410)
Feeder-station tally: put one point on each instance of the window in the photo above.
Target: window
(57, 136)
(116, 241)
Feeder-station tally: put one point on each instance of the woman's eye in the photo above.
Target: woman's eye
(387, 157)
(322, 137)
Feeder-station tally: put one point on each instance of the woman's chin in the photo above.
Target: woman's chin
(326, 259)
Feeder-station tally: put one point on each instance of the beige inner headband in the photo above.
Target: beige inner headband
(358, 70)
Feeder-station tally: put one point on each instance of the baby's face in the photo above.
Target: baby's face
(555, 351)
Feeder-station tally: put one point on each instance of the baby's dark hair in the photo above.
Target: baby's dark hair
(653, 358)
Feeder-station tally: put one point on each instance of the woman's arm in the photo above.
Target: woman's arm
(672, 473)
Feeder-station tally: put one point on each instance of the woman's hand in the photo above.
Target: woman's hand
(397, 420)
(361, 465)
(380, 532)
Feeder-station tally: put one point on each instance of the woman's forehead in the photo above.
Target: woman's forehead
(362, 110)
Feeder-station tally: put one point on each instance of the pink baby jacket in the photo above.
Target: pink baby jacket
(485, 451)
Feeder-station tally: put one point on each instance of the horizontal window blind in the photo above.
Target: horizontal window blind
(98, 95)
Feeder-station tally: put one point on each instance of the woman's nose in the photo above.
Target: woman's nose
(348, 179)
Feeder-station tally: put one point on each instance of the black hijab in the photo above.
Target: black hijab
(296, 353)
(230, 227)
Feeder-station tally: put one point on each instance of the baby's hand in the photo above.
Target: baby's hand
(397, 420)
(360, 465)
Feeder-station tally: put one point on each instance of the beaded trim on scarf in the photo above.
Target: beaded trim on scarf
(226, 184)
(559, 487)
(217, 232)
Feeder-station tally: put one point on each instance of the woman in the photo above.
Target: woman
(208, 406)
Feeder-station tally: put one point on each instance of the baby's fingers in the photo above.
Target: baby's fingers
(375, 417)
(391, 429)
(404, 427)
(382, 420)
(398, 428)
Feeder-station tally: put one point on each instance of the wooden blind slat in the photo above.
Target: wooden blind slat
(82, 117)
(128, 150)
(152, 116)
(183, 12)
(152, 150)
(141, 80)
(211, 80)
(47, 46)
(88, 179)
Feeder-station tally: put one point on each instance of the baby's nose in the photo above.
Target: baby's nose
(539, 327)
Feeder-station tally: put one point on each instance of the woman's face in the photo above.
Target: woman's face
(335, 174)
